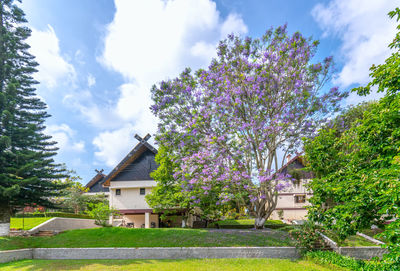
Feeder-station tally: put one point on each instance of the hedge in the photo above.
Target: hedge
(53, 214)
(246, 224)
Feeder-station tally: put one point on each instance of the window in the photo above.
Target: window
(118, 192)
(142, 191)
(300, 199)
(296, 182)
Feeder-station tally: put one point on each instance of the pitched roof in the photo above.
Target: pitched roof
(98, 177)
(135, 153)
(297, 157)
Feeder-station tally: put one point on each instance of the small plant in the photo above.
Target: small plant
(101, 213)
(330, 257)
(307, 238)
(280, 214)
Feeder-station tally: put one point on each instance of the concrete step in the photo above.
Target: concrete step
(45, 233)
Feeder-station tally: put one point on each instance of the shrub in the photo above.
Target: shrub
(101, 212)
(307, 238)
(329, 257)
(52, 214)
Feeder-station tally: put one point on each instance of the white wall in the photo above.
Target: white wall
(130, 198)
(286, 201)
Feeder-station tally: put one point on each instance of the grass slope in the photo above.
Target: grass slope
(29, 222)
(181, 265)
(122, 237)
(351, 241)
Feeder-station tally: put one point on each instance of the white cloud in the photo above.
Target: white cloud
(149, 41)
(233, 24)
(365, 31)
(91, 80)
(65, 138)
(53, 68)
(113, 145)
(102, 116)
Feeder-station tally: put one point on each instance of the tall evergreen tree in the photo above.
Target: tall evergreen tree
(27, 169)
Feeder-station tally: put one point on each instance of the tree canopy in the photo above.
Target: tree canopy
(225, 124)
(357, 169)
(27, 169)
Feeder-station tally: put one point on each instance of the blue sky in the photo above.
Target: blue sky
(98, 58)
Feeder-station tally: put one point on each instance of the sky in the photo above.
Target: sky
(99, 58)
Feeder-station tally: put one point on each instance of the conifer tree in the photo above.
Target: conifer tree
(27, 168)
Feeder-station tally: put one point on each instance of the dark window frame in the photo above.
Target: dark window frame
(142, 191)
(300, 199)
(118, 192)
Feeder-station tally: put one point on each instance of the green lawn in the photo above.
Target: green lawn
(351, 241)
(29, 222)
(374, 234)
(164, 237)
(157, 265)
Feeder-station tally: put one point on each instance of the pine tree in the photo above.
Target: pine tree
(27, 168)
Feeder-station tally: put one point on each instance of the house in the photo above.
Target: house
(129, 182)
(292, 201)
(95, 185)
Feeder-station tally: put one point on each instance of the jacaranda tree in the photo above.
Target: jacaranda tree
(227, 123)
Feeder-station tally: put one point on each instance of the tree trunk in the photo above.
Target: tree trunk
(259, 223)
(4, 220)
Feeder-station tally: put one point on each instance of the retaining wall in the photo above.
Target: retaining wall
(175, 253)
(165, 253)
(59, 224)
(362, 253)
(149, 253)
(15, 255)
(4, 229)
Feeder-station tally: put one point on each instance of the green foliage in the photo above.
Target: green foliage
(101, 212)
(167, 196)
(75, 198)
(329, 257)
(357, 169)
(245, 224)
(307, 238)
(52, 214)
(27, 169)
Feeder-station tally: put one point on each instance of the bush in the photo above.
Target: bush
(52, 214)
(245, 224)
(329, 257)
(101, 213)
(307, 238)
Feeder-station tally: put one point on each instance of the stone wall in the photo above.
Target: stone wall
(4, 229)
(15, 255)
(362, 253)
(149, 253)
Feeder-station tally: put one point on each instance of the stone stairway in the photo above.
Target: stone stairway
(45, 233)
(321, 245)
